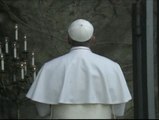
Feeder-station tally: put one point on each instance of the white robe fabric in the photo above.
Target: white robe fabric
(80, 77)
(87, 111)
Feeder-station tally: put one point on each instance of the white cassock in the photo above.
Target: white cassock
(81, 77)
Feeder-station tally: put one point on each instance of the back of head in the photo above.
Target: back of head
(80, 30)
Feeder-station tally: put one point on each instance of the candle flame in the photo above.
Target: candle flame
(22, 65)
(24, 36)
(6, 39)
(14, 44)
(16, 26)
(1, 56)
(34, 68)
(32, 53)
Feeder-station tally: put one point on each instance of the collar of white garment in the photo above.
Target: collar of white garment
(80, 48)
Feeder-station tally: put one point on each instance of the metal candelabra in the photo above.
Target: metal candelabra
(16, 70)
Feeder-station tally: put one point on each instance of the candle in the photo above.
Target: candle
(33, 59)
(2, 62)
(16, 32)
(22, 71)
(15, 50)
(25, 43)
(25, 68)
(0, 48)
(6, 44)
(34, 74)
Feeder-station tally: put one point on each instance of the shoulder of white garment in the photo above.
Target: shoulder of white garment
(50, 81)
(89, 55)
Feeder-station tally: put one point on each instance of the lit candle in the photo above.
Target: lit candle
(2, 62)
(6, 44)
(25, 43)
(25, 67)
(15, 50)
(33, 59)
(22, 71)
(34, 74)
(0, 48)
(16, 32)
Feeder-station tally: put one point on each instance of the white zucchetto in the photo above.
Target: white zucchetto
(80, 30)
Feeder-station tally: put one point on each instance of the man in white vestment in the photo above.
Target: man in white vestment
(80, 84)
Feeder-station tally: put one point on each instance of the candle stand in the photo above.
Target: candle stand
(16, 71)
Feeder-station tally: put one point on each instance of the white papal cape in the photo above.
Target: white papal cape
(80, 77)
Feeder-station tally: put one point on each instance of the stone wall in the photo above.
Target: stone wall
(46, 21)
